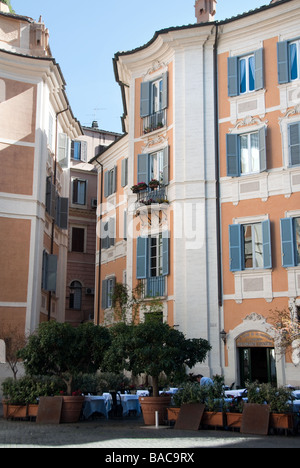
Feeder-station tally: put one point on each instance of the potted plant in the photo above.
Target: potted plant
(135, 189)
(234, 413)
(153, 348)
(58, 349)
(154, 183)
(281, 415)
(141, 186)
(188, 393)
(214, 403)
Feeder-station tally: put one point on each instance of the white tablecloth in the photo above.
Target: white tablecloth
(142, 393)
(235, 393)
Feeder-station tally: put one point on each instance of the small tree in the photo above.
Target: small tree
(153, 347)
(14, 340)
(286, 323)
(64, 351)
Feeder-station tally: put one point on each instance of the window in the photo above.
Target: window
(110, 182)
(79, 150)
(153, 263)
(290, 241)
(288, 61)
(79, 192)
(246, 153)
(250, 246)
(49, 272)
(63, 149)
(246, 73)
(154, 166)
(108, 233)
(294, 144)
(154, 101)
(108, 286)
(78, 235)
(75, 295)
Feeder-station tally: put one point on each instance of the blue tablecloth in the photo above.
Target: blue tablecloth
(96, 404)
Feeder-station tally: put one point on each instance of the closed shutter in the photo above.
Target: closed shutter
(106, 184)
(166, 166)
(62, 211)
(232, 155)
(164, 103)
(124, 174)
(283, 62)
(233, 83)
(165, 254)
(294, 143)
(83, 155)
(104, 294)
(262, 149)
(141, 257)
(287, 242)
(236, 246)
(49, 272)
(267, 251)
(62, 153)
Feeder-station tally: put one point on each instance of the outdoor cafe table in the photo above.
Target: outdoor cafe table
(130, 403)
(96, 404)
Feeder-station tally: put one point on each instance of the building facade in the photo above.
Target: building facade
(37, 126)
(211, 113)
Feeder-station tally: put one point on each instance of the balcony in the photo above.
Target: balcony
(151, 195)
(154, 121)
(153, 287)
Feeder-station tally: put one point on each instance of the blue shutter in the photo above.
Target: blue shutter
(51, 272)
(287, 242)
(236, 246)
(104, 294)
(143, 168)
(166, 166)
(294, 144)
(259, 69)
(141, 257)
(262, 149)
(165, 254)
(106, 184)
(267, 251)
(145, 98)
(283, 62)
(232, 155)
(124, 173)
(233, 83)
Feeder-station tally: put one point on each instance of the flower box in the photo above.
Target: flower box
(173, 413)
(215, 419)
(282, 421)
(234, 420)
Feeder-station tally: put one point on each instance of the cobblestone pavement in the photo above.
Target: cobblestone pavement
(129, 433)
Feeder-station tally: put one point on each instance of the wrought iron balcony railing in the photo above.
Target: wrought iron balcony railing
(154, 121)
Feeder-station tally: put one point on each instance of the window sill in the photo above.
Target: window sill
(253, 284)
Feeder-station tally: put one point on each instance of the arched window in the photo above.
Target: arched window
(75, 295)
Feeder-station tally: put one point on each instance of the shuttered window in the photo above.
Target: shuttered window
(246, 73)
(108, 286)
(288, 61)
(49, 272)
(110, 182)
(246, 153)
(294, 144)
(250, 246)
(290, 241)
(154, 166)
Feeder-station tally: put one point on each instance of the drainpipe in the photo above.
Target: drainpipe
(53, 221)
(100, 246)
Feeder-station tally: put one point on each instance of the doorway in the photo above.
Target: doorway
(257, 363)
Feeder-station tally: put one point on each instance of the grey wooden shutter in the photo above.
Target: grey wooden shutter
(283, 62)
(49, 273)
(164, 103)
(232, 155)
(236, 246)
(111, 232)
(288, 250)
(75, 191)
(262, 149)
(233, 82)
(104, 294)
(259, 69)
(62, 151)
(166, 166)
(141, 257)
(83, 155)
(106, 184)
(267, 251)
(294, 144)
(113, 189)
(63, 212)
(145, 99)
(143, 168)
(124, 173)
(165, 253)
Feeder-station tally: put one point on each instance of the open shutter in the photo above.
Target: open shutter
(83, 155)
(104, 294)
(294, 143)
(125, 225)
(165, 254)
(63, 212)
(141, 257)
(143, 168)
(232, 155)
(49, 272)
(259, 69)
(262, 149)
(104, 235)
(124, 173)
(166, 166)
(114, 187)
(283, 62)
(62, 151)
(111, 231)
(287, 242)
(236, 246)
(145, 98)
(164, 100)
(106, 184)
(266, 236)
(233, 82)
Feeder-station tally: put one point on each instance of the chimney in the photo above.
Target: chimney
(205, 10)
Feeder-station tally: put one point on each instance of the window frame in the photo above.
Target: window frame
(75, 195)
(247, 59)
(83, 228)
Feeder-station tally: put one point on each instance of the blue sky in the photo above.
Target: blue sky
(85, 35)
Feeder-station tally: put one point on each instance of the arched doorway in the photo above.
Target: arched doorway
(256, 357)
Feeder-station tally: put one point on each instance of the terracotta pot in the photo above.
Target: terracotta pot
(173, 413)
(15, 411)
(213, 419)
(150, 405)
(234, 420)
(32, 411)
(281, 420)
(71, 409)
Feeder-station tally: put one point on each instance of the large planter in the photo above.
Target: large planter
(14, 411)
(214, 419)
(282, 421)
(71, 409)
(150, 405)
(173, 413)
(234, 420)
(32, 411)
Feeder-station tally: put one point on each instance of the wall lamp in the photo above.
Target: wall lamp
(223, 336)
